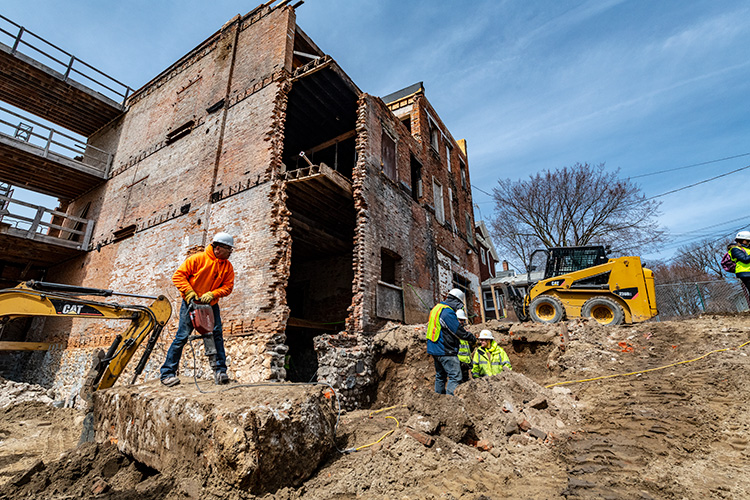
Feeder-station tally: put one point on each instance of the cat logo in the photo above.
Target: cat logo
(72, 308)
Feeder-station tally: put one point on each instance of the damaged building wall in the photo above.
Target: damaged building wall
(398, 227)
(212, 144)
(196, 153)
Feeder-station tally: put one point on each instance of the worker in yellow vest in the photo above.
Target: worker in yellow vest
(739, 252)
(443, 335)
(464, 348)
(489, 358)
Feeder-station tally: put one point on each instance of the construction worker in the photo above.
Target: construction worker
(443, 335)
(489, 358)
(203, 277)
(739, 251)
(464, 348)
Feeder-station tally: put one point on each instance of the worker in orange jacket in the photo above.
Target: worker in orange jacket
(203, 277)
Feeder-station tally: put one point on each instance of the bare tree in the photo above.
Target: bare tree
(573, 206)
(705, 255)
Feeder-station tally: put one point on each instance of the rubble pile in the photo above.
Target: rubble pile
(12, 393)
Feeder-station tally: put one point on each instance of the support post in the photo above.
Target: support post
(494, 301)
(481, 303)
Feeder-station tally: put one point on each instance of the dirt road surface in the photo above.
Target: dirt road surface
(655, 419)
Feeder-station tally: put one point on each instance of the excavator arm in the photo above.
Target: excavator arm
(34, 298)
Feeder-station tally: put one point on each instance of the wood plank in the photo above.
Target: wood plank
(303, 323)
(24, 346)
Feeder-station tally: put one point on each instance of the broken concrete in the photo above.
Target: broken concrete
(256, 438)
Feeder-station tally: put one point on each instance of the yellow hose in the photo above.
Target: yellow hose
(649, 370)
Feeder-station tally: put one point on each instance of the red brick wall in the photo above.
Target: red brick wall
(388, 217)
(224, 169)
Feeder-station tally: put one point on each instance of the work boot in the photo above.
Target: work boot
(221, 378)
(170, 381)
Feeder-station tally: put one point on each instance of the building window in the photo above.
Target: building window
(437, 196)
(469, 231)
(434, 136)
(448, 155)
(406, 120)
(416, 179)
(390, 267)
(388, 155)
(483, 253)
(462, 167)
(450, 203)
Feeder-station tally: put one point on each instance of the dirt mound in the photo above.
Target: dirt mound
(33, 431)
(655, 410)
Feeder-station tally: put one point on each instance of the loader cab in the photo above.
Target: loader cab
(564, 260)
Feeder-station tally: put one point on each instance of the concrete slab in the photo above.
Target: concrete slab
(257, 438)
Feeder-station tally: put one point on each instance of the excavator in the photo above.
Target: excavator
(38, 298)
(582, 282)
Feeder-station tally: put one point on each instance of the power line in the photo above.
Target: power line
(698, 183)
(689, 166)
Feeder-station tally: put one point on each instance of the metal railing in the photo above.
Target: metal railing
(50, 140)
(676, 300)
(71, 64)
(45, 225)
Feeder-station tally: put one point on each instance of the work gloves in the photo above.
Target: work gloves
(207, 297)
(190, 296)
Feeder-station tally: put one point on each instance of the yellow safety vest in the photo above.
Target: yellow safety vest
(464, 352)
(741, 267)
(433, 326)
(490, 361)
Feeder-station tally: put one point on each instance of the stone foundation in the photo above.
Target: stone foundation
(346, 363)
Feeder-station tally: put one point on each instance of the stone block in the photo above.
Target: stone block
(256, 439)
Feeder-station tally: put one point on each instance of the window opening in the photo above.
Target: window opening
(388, 155)
(389, 266)
(407, 122)
(416, 178)
(450, 203)
(448, 155)
(469, 230)
(484, 256)
(437, 194)
(462, 167)
(434, 136)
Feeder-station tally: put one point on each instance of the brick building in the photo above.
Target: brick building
(373, 223)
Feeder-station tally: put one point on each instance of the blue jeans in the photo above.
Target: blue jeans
(447, 367)
(184, 329)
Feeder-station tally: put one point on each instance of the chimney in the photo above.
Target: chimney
(505, 265)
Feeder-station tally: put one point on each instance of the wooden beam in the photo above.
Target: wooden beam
(494, 301)
(341, 138)
(303, 323)
(24, 346)
(481, 303)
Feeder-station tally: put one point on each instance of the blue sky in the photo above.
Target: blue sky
(643, 86)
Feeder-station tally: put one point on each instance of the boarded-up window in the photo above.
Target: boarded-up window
(448, 156)
(437, 196)
(469, 230)
(388, 155)
(462, 166)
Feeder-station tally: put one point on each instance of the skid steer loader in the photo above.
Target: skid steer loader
(582, 282)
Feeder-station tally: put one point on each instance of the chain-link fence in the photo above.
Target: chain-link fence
(688, 299)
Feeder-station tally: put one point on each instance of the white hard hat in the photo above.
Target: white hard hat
(743, 235)
(461, 314)
(486, 335)
(458, 294)
(224, 239)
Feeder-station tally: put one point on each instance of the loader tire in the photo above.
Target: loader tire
(603, 310)
(546, 309)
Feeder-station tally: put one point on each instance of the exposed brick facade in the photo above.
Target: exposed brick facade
(201, 149)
